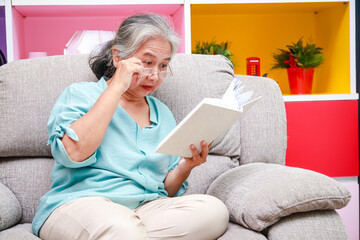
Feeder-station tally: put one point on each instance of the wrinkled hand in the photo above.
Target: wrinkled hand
(127, 70)
(187, 164)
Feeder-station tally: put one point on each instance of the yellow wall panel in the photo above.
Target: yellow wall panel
(333, 34)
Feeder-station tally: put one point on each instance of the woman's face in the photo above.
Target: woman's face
(154, 54)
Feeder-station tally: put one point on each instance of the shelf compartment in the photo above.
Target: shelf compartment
(258, 30)
(47, 28)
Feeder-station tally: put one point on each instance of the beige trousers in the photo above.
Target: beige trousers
(194, 217)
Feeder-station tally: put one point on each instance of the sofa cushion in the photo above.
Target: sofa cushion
(195, 77)
(202, 176)
(20, 231)
(28, 90)
(10, 208)
(300, 226)
(29, 179)
(259, 194)
(236, 231)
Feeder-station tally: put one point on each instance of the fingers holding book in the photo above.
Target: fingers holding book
(198, 158)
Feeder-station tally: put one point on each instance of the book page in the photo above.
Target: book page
(235, 95)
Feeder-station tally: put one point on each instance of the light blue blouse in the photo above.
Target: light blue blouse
(124, 169)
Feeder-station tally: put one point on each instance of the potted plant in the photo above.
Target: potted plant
(300, 61)
(213, 48)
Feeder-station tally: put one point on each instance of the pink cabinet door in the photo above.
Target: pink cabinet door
(323, 136)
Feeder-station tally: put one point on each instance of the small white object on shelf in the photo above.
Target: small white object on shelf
(37, 54)
(87, 40)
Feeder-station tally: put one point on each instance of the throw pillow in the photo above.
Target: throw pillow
(10, 209)
(259, 194)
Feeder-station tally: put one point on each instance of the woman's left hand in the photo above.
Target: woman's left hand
(176, 177)
(187, 164)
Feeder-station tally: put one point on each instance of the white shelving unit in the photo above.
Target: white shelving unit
(23, 36)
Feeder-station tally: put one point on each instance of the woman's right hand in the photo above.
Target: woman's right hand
(127, 70)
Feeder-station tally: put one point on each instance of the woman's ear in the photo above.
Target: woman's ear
(116, 57)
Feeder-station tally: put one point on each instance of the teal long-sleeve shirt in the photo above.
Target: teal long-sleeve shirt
(125, 167)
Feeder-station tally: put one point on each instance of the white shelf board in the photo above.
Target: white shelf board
(260, 1)
(9, 31)
(92, 2)
(187, 25)
(2, 2)
(320, 97)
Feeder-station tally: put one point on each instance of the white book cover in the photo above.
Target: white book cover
(208, 120)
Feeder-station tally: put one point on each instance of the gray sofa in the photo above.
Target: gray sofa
(245, 168)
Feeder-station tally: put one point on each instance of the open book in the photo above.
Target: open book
(208, 120)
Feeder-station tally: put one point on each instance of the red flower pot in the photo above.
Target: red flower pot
(300, 80)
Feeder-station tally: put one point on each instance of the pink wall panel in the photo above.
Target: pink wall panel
(323, 136)
(51, 34)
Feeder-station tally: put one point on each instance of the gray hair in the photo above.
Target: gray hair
(132, 33)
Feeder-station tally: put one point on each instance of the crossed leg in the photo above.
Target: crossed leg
(96, 218)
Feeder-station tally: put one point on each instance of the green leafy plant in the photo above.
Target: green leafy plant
(213, 48)
(298, 55)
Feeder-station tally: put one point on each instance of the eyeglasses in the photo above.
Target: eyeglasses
(162, 74)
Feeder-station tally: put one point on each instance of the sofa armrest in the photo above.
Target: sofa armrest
(17, 232)
(10, 208)
(259, 194)
(263, 129)
(322, 224)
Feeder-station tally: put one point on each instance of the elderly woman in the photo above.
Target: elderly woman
(107, 182)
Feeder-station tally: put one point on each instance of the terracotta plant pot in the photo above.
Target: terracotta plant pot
(300, 80)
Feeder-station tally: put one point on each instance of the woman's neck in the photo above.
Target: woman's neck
(129, 98)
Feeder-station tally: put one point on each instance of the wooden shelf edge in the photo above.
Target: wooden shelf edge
(322, 97)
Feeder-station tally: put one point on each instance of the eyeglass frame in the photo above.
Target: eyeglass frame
(158, 73)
